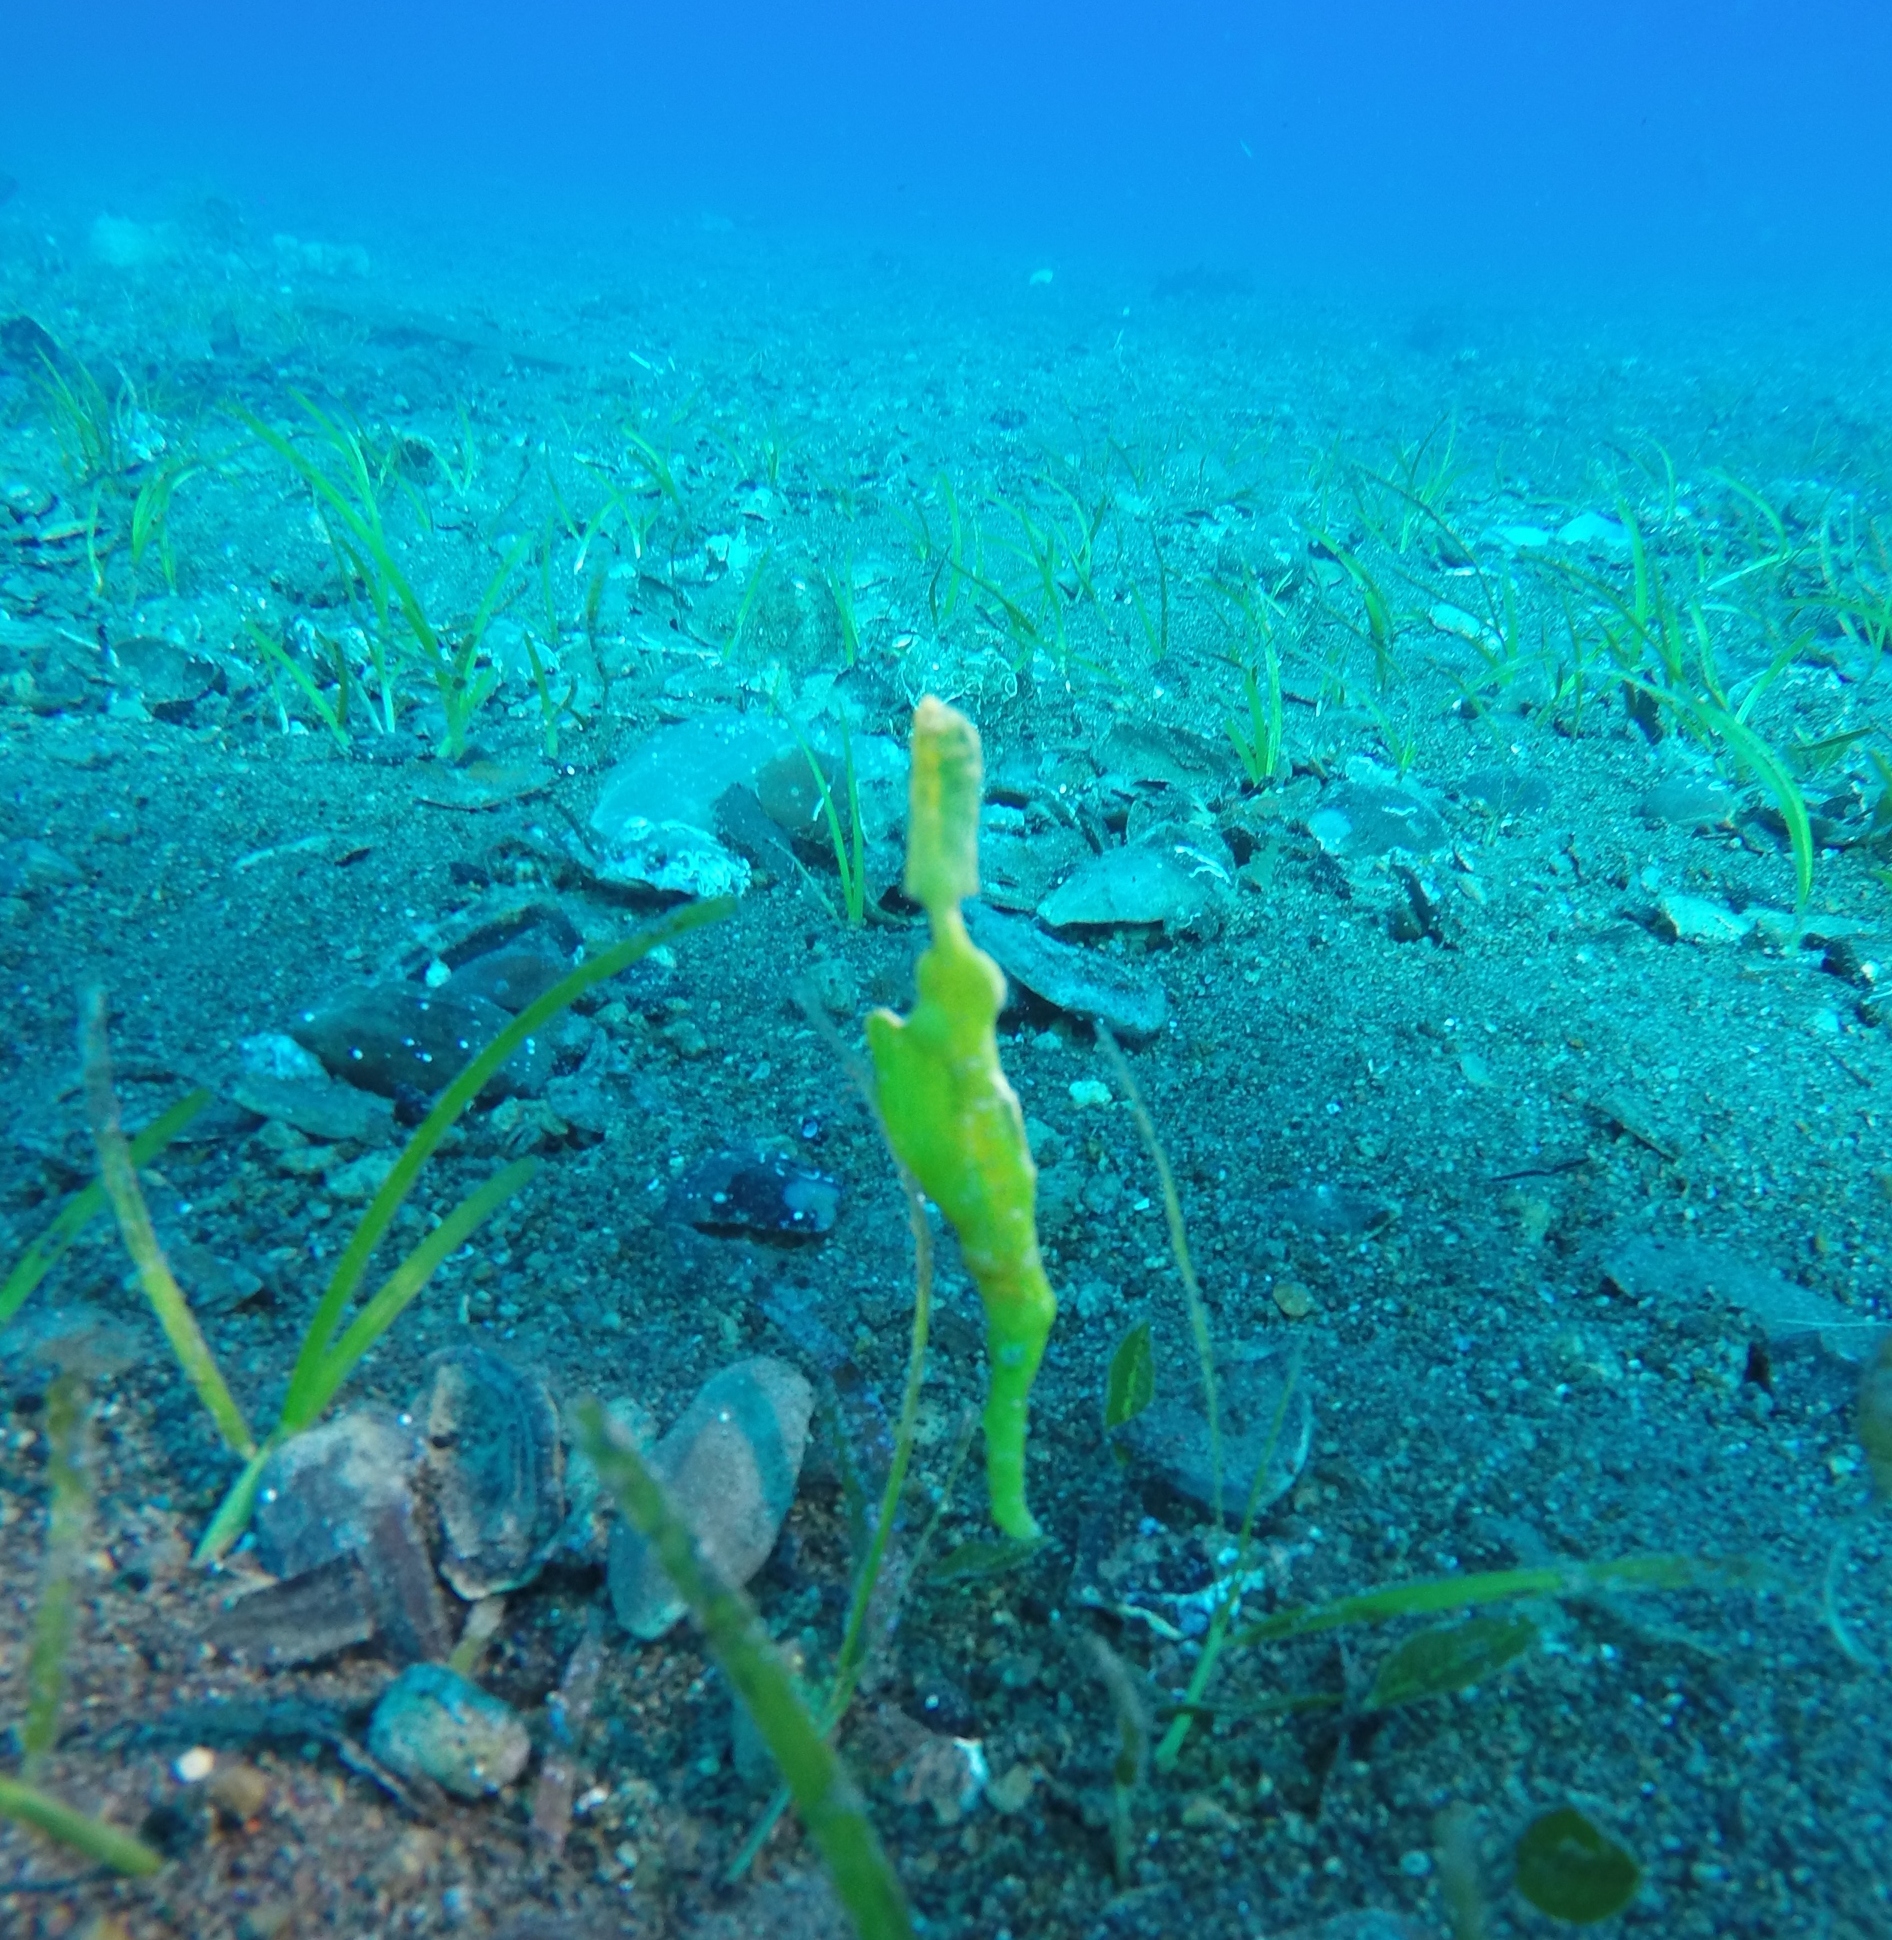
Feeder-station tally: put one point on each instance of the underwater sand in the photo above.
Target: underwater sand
(1509, 1115)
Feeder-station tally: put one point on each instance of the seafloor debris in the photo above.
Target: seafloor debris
(730, 1466)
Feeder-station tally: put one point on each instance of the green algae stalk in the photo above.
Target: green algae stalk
(92, 1837)
(119, 1176)
(951, 1116)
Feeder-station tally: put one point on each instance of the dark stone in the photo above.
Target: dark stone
(746, 1192)
(512, 977)
(396, 1036)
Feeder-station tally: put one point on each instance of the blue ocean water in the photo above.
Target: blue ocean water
(1698, 141)
(1404, 496)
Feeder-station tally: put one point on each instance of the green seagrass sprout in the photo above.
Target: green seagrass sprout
(952, 1118)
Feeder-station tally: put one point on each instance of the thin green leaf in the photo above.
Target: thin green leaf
(1450, 1658)
(1436, 1595)
(120, 1179)
(45, 1252)
(982, 1556)
(92, 1837)
(1131, 1386)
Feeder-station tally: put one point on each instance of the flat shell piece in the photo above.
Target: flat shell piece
(1084, 982)
(299, 1620)
(1170, 883)
(497, 1470)
(1267, 1428)
(730, 1467)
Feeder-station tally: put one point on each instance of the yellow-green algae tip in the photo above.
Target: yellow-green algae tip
(953, 1118)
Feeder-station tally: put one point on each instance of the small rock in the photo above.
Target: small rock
(1011, 1791)
(432, 1723)
(1687, 1274)
(238, 1790)
(494, 1455)
(730, 1467)
(1293, 1299)
(1170, 882)
(358, 1181)
(511, 977)
(1694, 919)
(1083, 982)
(949, 1774)
(746, 1192)
(1357, 819)
(1688, 802)
(396, 1038)
(215, 1285)
(1172, 1437)
(1338, 1211)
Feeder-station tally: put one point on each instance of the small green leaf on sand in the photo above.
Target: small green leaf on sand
(1449, 1658)
(1572, 1871)
(1132, 1384)
(982, 1556)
